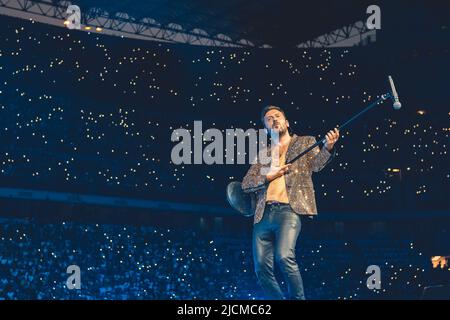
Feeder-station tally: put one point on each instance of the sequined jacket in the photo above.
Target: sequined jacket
(299, 185)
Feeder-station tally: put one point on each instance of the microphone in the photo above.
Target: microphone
(397, 105)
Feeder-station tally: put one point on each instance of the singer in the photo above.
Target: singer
(283, 195)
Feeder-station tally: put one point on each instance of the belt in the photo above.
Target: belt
(276, 204)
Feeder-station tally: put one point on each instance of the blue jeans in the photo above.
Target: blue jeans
(275, 236)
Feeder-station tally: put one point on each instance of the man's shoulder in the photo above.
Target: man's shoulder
(302, 138)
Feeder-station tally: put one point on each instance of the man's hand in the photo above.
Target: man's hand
(331, 137)
(276, 172)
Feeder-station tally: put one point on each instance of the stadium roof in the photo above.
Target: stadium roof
(261, 22)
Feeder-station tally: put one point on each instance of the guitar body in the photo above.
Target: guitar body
(239, 200)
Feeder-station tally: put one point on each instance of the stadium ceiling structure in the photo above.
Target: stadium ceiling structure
(231, 23)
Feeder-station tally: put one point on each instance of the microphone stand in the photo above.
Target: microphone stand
(323, 140)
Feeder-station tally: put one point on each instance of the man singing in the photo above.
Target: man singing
(283, 194)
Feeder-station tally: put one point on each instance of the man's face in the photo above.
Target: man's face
(276, 122)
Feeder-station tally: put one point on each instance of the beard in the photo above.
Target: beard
(281, 131)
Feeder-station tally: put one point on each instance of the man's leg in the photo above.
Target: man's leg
(287, 231)
(263, 252)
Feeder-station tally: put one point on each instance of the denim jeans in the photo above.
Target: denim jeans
(274, 238)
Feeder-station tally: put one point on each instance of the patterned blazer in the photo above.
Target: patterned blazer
(299, 185)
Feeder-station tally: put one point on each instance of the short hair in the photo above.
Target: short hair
(267, 109)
